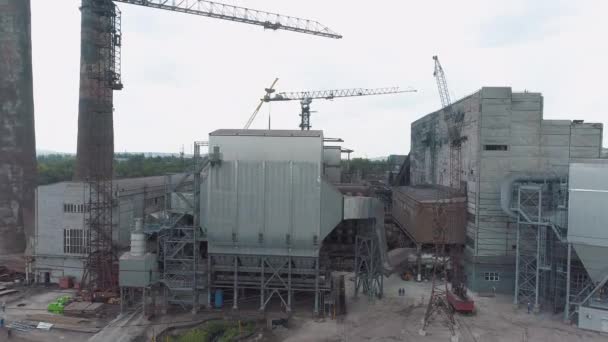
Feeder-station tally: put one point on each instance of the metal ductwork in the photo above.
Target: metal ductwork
(506, 187)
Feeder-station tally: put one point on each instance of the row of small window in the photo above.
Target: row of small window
(495, 147)
(491, 276)
(75, 208)
(153, 201)
(75, 241)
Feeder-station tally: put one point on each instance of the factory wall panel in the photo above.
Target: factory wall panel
(306, 206)
(268, 202)
(250, 201)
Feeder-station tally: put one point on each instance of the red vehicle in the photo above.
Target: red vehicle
(459, 301)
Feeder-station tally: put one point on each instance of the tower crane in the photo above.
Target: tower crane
(457, 295)
(100, 76)
(306, 98)
(443, 299)
(269, 91)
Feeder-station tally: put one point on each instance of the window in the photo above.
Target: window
(491, 276)
(75, 241)
(495, 147)
(73, 208)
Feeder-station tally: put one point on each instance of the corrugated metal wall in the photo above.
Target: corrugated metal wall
(262, 207)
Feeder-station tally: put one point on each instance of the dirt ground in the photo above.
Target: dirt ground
(396, 318)
(392, 318)
(34, 301)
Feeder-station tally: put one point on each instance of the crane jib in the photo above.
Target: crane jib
(268, 20)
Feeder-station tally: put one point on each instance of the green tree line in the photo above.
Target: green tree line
(55, 168)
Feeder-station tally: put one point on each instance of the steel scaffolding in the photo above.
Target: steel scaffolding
(529, 258)
(184, 272)
(368, 266)
(273, 276)
(549, 274)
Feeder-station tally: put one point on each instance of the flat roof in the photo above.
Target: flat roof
(429, 193)
(266, 133)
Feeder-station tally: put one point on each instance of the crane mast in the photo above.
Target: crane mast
(306, 97)
(442, 84)
(269, 91)
(268, 20)
(442, 297)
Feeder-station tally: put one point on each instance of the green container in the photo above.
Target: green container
(55, 307)
(58, 304)
(63, 300)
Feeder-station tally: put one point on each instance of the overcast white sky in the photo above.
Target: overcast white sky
(186, 75)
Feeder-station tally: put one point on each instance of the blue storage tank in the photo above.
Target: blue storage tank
(219, 298)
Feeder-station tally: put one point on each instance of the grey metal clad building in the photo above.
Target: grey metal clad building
(268, 195)
(588, 236)
(332, 167)
(60, 230)
(504, 134)
(266, 208)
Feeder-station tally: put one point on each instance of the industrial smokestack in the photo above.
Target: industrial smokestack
(98, 78)
(17, 139)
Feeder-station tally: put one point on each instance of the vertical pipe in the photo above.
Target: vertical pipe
(17, 139)
(567, 307)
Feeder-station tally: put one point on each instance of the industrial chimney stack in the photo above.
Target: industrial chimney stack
(17, 139)
(99, 41)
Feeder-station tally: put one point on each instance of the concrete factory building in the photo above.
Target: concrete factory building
(504, 138)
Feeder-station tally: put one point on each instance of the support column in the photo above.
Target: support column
(357, 266)
(538, 246)
(122, 300)
(419, 262)
(262, 291)
(567, 306)
(165, 301)
(316, 312)
(209, 274)
(143, 300)
(289, 284)
(517, 251)
(153, 300)
(236, 284)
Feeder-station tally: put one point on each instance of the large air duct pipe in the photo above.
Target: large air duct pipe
(17, 139)
(506, 187)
